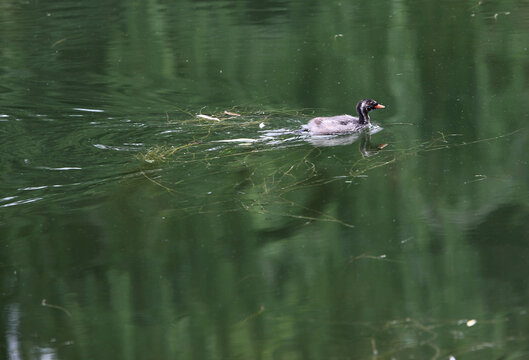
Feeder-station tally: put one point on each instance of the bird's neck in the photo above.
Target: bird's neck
(363, 116)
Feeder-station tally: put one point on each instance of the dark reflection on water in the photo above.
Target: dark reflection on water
(130, 227)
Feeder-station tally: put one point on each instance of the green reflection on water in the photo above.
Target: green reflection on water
(279, 248)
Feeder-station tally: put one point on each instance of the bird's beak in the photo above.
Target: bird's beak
(379, 106)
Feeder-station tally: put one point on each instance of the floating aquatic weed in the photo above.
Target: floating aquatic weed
(163, 152)
(271, 174)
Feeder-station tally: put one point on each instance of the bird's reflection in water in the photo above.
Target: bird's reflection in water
(366, 147)
(282, 137)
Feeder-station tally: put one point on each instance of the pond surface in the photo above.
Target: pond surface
(131, 228)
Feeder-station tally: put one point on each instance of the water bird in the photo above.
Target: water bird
(343, 123)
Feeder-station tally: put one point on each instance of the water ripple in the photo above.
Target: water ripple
(20, 202)
(58, 169)
(89, 110)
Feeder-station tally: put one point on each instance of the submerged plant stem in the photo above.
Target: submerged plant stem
(44, 303)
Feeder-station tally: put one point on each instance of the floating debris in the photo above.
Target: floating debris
(501, 13)
(231, 113)
(471, 323)
(207, 117)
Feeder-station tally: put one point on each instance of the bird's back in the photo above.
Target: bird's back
(333, 125)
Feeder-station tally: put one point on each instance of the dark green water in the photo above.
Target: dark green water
(128, 231)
